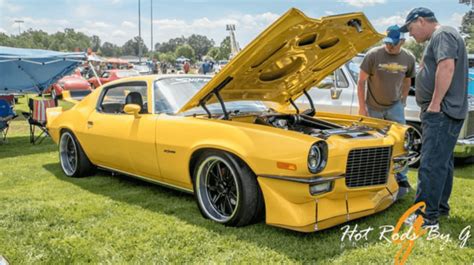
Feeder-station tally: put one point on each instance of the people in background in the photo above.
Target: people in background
(186, 67)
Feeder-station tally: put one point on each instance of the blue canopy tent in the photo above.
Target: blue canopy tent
(30, 70)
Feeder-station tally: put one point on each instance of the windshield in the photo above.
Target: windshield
(127, 73)
(172, 93)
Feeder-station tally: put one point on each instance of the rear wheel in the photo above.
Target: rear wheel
(74, 161)
(226, 189)
(415, 162)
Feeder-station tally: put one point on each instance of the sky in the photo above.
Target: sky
(116, 21)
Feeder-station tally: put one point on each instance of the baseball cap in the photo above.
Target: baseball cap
(393, 35)
(414, 14)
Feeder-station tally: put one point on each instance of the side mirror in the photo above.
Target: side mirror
(335, 93)
(132, 109)
(326, 83)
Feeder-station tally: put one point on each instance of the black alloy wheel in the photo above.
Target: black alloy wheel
(226, 190)
(415, 161)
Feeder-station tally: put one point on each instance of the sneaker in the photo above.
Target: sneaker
(427, 223)
(430, 224)
(411, 219)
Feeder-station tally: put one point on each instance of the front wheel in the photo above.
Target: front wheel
(74, 161)
(415, 162)
(226, 189)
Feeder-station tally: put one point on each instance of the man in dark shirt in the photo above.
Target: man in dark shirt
(441, 92)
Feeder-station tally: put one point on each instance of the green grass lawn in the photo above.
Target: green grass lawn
(48, 218)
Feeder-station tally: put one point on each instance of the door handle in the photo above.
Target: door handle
(90, 124)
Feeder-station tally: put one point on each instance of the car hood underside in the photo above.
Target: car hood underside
(289, 57)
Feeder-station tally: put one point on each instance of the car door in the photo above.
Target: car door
(336, 93)
(123, 141)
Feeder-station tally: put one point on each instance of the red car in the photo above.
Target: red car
(111, 75)
(74, 83)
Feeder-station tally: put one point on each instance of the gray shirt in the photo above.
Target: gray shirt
(386, 74)
(445, 43)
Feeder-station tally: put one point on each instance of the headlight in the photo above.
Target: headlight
(317, 157)
(408, 143)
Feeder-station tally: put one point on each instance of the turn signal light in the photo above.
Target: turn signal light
(287, 166)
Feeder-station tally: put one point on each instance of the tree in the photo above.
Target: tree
(110, 50)
(131, 47)
(415, 48)
(169, 57)
(95, 43)
(224, 49)
(213, 53)
(171, 45)
(200, 44)
(5, 40)
(186, 51)
(467, 30)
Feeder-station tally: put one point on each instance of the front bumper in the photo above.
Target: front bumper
(290, 205)
(464, 148)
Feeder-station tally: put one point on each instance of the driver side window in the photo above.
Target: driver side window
(114, 98)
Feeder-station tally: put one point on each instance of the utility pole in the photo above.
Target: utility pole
(19, 25)
(151, 24)
(139, 35)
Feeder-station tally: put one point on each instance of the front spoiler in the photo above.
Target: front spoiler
(290, 205)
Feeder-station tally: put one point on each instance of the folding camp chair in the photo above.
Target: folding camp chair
(6, 115)
(37, 118)
(9, 98)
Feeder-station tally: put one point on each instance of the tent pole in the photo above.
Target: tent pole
(95, 74)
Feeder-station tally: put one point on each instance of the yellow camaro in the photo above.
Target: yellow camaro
(222, 139)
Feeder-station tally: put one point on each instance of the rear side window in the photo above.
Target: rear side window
(114, 98)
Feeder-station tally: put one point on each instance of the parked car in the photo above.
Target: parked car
(75, 83)
(142, 69)
(111, 75)
(338, 93)
(215, 137)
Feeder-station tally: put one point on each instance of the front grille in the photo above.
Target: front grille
(470, 123)
(368, 167)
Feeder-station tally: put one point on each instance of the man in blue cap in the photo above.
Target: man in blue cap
(441, 92)
(387, 70)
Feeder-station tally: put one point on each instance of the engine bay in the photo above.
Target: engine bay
(312, 126)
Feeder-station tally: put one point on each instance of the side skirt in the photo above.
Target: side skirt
(148, 179)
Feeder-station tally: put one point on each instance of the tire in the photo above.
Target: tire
(72, 158)
(226, 190)
(417, 143)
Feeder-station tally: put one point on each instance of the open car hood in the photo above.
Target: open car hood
(292, 55)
